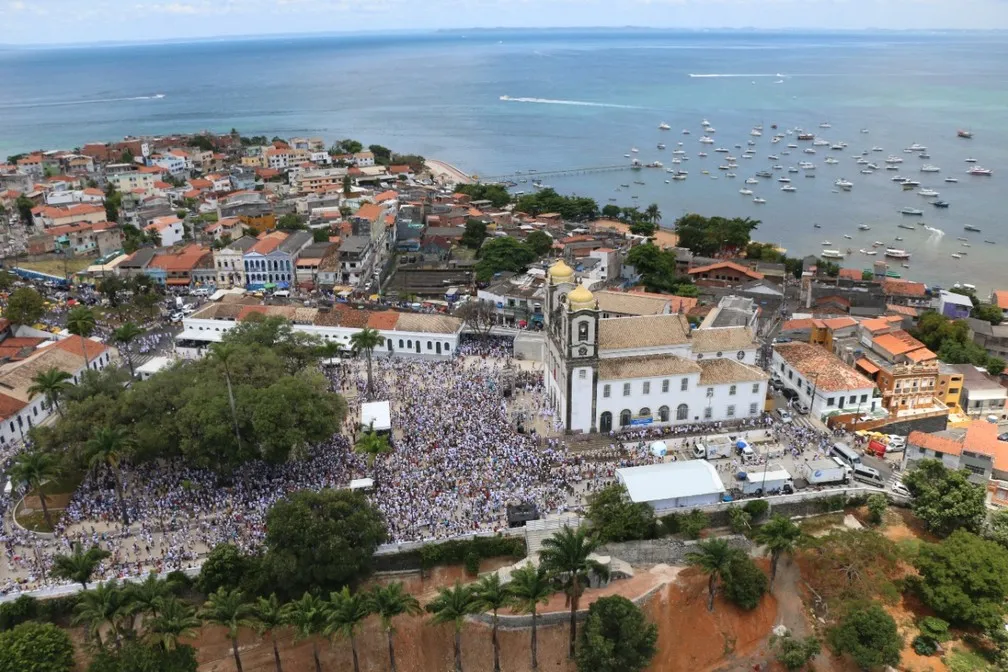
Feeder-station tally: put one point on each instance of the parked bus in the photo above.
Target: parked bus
(845, 453)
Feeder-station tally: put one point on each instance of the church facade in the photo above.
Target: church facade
(605, 374)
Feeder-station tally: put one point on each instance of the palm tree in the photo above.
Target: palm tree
(653, 213)
(452, 605)
(224, 354)
(32, 469)
(491, 596)
(713, 557)
(269, 617)
(174, 620)
(780, 536)
(565, 555)
(372, 444)
(530, 586)
(100, 606)
(106, 448)
(126, 334)
(308, 616)
(81, 322)
(228, 607)
(79, 565)
(146, 596)
(346, 611)
(52, 383)
(366, 341)
(388, 602)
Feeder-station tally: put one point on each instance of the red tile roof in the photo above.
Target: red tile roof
(755, 275)
(938, 444)
(9, 406)
(268, 243)
(895, 287)
(369, 211)
(1001, 298)
(73, 343)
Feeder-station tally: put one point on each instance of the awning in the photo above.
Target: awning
(196, 335)
(177, 281)
(866, 366)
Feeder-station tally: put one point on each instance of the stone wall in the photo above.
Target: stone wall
(666, 550)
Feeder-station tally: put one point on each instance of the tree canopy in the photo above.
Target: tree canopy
(706, 236)
(615, 518)
(945, 499)
(24, 306)
(570, 208)
(949, 339)
(988, 312)
(616, 637)
(869, 635)
(497, 194)
(475, 234)
(36, 647)
(657, 268)
(503, 254)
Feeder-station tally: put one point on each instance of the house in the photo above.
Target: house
(170, 229)
(229, 262)
(999, 297)
(949, 387)
(975, 448)
(175, 162)
(356, 257)
(953, 305)
(271, 261)
(132, 181)
(46, 216)
(228, 226)
(822, 380)
(310, 261)
(991, 337)
(364, 159)
(86, 238)
(905, 293)
(175, 267)
(137, 263)
(982, 395)
(723, 274)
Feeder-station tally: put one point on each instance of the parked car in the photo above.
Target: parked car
(176, 318)
(900, 489)
(789, 394)
(800, 408)
(784, 415)
(897, 444)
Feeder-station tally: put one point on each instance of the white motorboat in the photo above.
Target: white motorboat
(914, 212)
(955, 255)
(832, 254)
(633, 150)
(664, 127)
(773, 157)
(952, 180)
(971, 160)
(702, 155)
(826, 243)
(863, 227)
(751, 180)
(758, 201)
(984, 172)
(809, 150)
(806, 165)
(745, 192)
(755, 132)
(788, 188)
(825, 124)
(927, 193)
(721, 150)
(678, 152)
(893, 159)
(876, 148)
(791, 145)
(784, 180)
(847, 236)
(868, 252)
(917, 148)
(862, 162)
(895, 253)
(792, 169)
(685, 131)
(867, 171)
(819, 142)
(831, 160)
(661, 145)
(838, 147)
(844, 184)
(929, 168)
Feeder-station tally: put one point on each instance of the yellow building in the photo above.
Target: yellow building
(949, 386)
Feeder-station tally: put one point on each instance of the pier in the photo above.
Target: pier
(536, 175)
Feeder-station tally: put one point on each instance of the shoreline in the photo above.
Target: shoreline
(443, 171)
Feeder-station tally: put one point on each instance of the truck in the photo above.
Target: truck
(769, 481)
(828, 470)
(711, 450)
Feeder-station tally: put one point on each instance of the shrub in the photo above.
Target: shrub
(454, 552)
(615, 518)
(739, 520)
(472, 563)
(834, 503)
(36, 647)
(924, 645)
(934, 627)
(794, 654)
(693, 523)
(744, 582)
(877, 505)
(756, 508)
(616, 637)
(869, 635)
(12, 614)
(671, 524)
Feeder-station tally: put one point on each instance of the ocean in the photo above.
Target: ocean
(580, 99)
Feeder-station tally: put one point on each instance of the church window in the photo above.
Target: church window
(626, 389)
(624, 418)
(682, 412)
(582, 331)
(605, 391)
(663, 414)
(647, 387)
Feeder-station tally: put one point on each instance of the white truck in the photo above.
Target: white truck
(769, 481)
(712, 450)
(825, 471)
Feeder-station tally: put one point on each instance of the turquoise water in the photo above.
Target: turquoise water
(592, 96)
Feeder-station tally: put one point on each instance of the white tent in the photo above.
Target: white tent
(659, 449)
(362, 484)
(377, 412)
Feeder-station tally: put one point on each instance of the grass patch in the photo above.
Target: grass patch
(55, 265)
(966, 661)
(36, 522)
(822, 522)
(65, 484)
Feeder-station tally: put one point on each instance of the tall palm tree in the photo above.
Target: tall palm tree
(452, 605)
(346, 611)
(372, 444)
(102, 605)
(780, 536)
(51, 383)
(491, 595)
(174, 620)
(31, 469)
(107, 448)
(126, 334)
(269, 618)
(565, 555)
(366, 341)
(228, 607)
(81, 322)
(388, 602)
(714, 557)
(653, 213)
(529, 587)
(80, 565)
(224, 353)
(146, 596)
(308, 617)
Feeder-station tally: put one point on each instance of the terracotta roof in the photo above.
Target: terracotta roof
(939, 444)
(907, 311)
(830, 373)
(645, 367)
(839, 322)
(9, 406)
(385, 319)
(645, 331)
(721, 339)
(389, 195)
(876, 324)
(184, 259)
(799, 324)
(268, 243)
(677, 304)
(724, 371)
(982, 437)
(895, 287)
(755, 275)
(72, 344)
(428, 323)
(867, 366)
(1001, 298)
(921, 355)
(898, 342)
(369, 211)
(850, 274)
(631, 303)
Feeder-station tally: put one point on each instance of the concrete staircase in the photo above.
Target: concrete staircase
(538, 530)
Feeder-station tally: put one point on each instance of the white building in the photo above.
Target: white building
(609, 373)
(822, 380)
(170, 228)
(673, 485)
(176, 165)
(127, 182)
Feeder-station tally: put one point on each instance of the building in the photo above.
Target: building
(310, 261)
(517, 298)
(975, 448)
(356, 261)
(627, 304)
(170, 228)
(271, 261)
(954, 305)
(176, 267)
(732, 311)
(723, 274)
(982, 395)
(85, 238)
(229, 262)
(46, 216)
(905, 293)
(949, 386)
(317, 180)
(823, 382)
(999, 297)
(673, 485)
(129, 182)
(613, 373)
(991, 337)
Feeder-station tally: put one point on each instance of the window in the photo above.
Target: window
(663, 414)
(683, 384)
(782, 366)
(626, 389)
(409, 343)
(731, 390)
(707, 413)
(853, 399)
(753, 408)
(400, 343)
(864, 398)
(664, 385)
(731, 411)
(605, 421)
(647, 387)
(605, 394)
(755, 388)
(644, 412)
(447, 347)
(790, 375)
(624, 418)
(582, 331)
(582, 374)
(710, 392)
(682, 412)
(829, 402)
(973, 469)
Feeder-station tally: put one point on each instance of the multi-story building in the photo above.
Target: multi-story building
(47, 216)
(953, 305)
(975, 448)
(822, 381)
(356, 259)
(170, 228)
(85, 238)
(905, 293)
(229, 262)
(175, 162)
(175, 267)
(271, 261)
(317, 180)
(133, 180)
(950, 384)
(999, 297)
(991, 337)
(982, 395)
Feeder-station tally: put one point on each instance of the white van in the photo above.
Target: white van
(282, 294)
(868, 475)
(844, 452)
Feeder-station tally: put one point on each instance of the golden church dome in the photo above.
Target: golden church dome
(561, 272)
(581, 299)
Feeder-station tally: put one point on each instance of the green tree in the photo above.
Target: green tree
(107, 449)
(657, 267)
(382, 155)
(452, 605)
(269, 617)
(104, 605)
(7, 279)
(566, 556)
(989, 312)
(347, 186)
(713, 557)
(653, 213)
(224, 567)
(321, 235)
(615, 518)
(744, 582)
(611, 211)
(780, 536)
(706, 236)
(997, 527)
(307, 615)
(539, 242)
(372, 444)
(80, 565)
(964, 579)
(995, 366)
(497, 194)
(388, 602)
(944, 499)
(502, 254)
(223, 353)
(474, 235)
(136, 656)
(24, 206)
(617, 637)
(24, 306)
(52, 383)
(81, 322)
(321, 540)
(869, 635)
(125, 335)
(490, 595)
(365, 341)
(174, 620)
(145, 598)
(31, 469)
(529, 587)
(228, 608)
(877, 505)
(36, 647)
(291, 222)
(111, 288)
(796, 654)
(867, 275)
(346, 612)
(739, 520)
(570, 208)
(349, 146)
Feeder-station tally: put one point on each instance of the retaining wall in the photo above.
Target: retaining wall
(665, 550)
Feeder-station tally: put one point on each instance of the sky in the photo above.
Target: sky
(28, 22)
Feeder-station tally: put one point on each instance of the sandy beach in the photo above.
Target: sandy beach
(446, 173)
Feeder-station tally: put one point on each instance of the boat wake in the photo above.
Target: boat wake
(581, 103)
(933, 230)
(732, 74)
(86, 101)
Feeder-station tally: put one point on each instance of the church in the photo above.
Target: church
(606, 373)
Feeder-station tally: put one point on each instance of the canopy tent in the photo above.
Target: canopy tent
(659, 449)
(362, 484)
(377, 415)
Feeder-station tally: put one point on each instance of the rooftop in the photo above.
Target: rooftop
(669, 480)
(355, 244)
(894, 287)
(631, 303)
(646, 331)
(976, 380)
(727, 265)
(1000, 297)
(722, 339)
(725, 371)
(956, 299)
(830, 373)
(645, 367)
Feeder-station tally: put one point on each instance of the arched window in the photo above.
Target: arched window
(605, 422)
(682, 412)
(582, 331)
(645, 412)
(624, 418)
(400, 343)
(663, 414)
(409, 343)
(388, 342)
